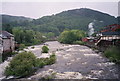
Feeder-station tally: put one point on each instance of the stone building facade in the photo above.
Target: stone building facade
(8, 43)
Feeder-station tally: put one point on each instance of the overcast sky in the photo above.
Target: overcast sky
(39, 9)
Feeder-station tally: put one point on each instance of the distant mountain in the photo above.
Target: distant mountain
(71, 19)
(15, 20)
(74, 19)
(88, 13)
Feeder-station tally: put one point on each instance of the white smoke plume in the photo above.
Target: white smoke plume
(91, 29)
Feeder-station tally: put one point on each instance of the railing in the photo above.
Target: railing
(107, 38)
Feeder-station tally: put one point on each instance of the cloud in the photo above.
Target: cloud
(39, 9)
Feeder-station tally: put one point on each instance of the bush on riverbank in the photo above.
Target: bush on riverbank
(41, 62)
(51, 60)
(113, 53)
(45, 49)
(25, 64)
(21, 65)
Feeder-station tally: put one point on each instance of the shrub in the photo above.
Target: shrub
(32, 47)
(113, 53)
(25, 64)
(22, 46)
(79, 42)
(14, 53)
(21, 65)
(41, 62)
(52, 59)
(8, 54)
(45, 49)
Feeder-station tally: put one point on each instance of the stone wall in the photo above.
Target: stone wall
(8, 44)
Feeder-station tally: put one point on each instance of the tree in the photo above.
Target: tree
(27, 37)
(7, 27)
(50, 35)
(70, 36)
(18, 33)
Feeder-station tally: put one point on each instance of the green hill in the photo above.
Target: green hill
(15, 20)
(71, 19)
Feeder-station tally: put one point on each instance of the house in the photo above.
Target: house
(109, 36)
(7, 40)
(111, 28)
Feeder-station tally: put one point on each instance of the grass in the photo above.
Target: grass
(113, 53)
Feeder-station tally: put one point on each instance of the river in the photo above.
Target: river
(79, 58)
(76, 58)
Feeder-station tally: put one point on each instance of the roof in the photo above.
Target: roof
(111, 33)
(5, 34)
(111, 28)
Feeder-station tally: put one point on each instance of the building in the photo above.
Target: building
(8, 43)
(111, 28)
(109, 36)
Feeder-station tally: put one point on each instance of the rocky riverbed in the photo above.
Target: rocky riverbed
(74, 62)
(79, 59)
